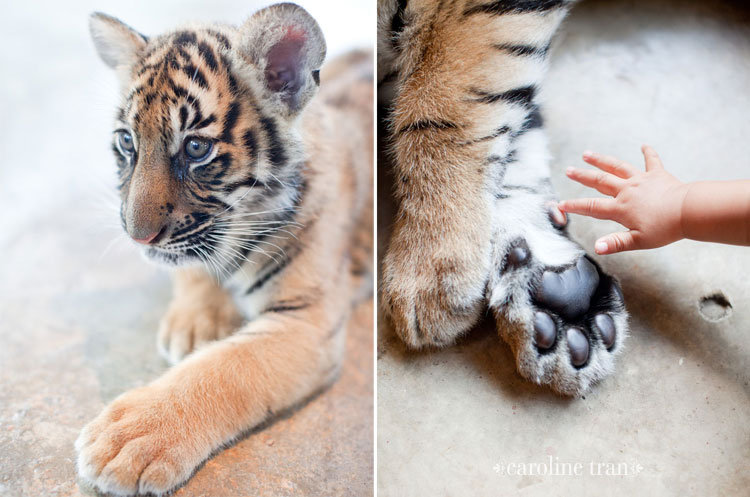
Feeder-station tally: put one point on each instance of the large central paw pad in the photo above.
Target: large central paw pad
(572, 320)
(569, 292)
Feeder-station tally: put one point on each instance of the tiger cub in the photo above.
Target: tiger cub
(477, 223)
(259, 190)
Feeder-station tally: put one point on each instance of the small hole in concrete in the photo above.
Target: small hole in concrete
(715, 307)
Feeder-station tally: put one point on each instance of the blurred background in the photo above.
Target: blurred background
(79, 308)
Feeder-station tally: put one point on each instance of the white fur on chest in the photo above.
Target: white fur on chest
(249, 304)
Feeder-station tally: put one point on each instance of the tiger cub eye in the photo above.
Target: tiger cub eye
(197, 149)
(125, 142)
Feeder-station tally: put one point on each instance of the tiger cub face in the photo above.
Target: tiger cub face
(204, 139)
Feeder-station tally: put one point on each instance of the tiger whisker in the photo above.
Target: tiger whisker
(278, 180)
(249, 246)
(265, 232)
(117, 239)
(254, 249)
(248, 218)
(226, 259)
(240, 256)
(209, 262)
(239, 199)
(258, 224)
(257, 213)
(238, 235)
(217, 268)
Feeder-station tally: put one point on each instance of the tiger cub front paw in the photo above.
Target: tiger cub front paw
(195, 320)
(565, 324)
(433, 291)
(142, 443)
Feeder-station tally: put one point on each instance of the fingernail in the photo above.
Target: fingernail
(588, 153)
(569, 170)
(600, 247)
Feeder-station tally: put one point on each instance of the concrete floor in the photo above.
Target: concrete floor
(78, 314)
(676, 75)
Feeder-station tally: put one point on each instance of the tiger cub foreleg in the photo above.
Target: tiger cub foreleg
(151, 439)
(561, 314)
(438, 258)
(201, 311)
(464, 76)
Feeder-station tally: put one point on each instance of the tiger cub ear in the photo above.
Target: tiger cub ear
(288, 47)
(118, 44)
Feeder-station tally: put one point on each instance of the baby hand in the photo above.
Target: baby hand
(648, 203)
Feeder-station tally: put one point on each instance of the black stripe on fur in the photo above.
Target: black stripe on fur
(522, 50)
(522, 96)
(230, 120)
(425, 124)
(275, 151)
(501, 7)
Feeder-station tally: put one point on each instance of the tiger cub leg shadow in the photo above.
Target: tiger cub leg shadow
(563, 317)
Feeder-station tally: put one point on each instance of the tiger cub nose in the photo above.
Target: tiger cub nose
(149, 239)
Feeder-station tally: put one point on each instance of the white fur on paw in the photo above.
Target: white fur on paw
(137, 445)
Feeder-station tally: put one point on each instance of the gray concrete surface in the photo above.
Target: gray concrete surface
(674, 417)
(78, 306)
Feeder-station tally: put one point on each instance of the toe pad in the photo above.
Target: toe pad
(545, 331)
(579, 347)
(606, 327)
(518, 255)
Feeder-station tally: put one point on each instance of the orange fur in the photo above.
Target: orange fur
(152, 438)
